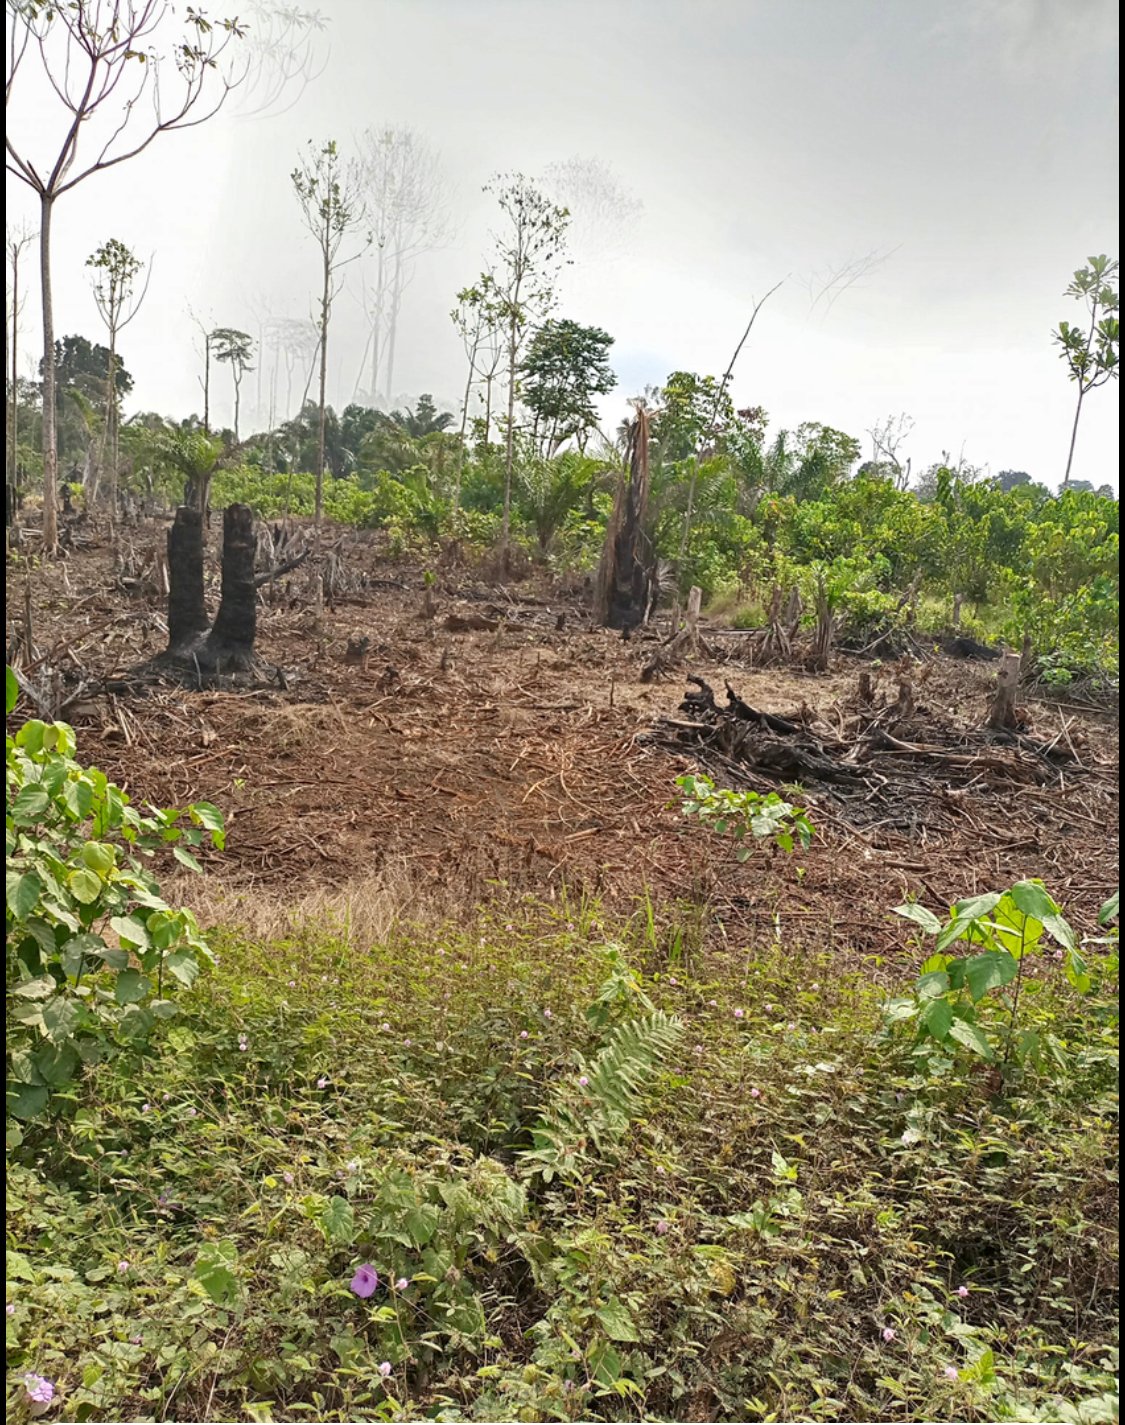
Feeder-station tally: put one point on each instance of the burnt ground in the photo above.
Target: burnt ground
(536, 757)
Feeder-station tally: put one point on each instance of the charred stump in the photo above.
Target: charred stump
(187, 607)
(229, 646)
(621, 589)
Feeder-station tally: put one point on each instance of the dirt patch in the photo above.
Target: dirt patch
(524, 755)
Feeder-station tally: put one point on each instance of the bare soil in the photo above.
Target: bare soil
(532, 756)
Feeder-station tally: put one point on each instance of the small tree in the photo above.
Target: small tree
(91, 51)
(236, 348)
(1091, 353)
(329, 197)
(529, 251)
(477, 319)
(566, 366)
(116, 270)
(887, 438)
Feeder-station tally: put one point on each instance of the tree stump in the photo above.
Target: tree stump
(230, 644)
(187, 607)
(1002, 714)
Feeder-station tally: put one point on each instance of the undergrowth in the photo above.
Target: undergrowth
(589, 1183)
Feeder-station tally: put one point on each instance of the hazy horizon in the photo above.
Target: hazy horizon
(975, 151)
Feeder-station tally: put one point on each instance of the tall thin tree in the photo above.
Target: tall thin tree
(329, 196)
(17, 239)
(101, 58)
(235, 348)
(116, 271)
(1091, 354)
(530, 250)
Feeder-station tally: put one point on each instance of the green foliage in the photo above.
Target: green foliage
(790, 1188)
(565, 368)
(92, 951)
(763, 816)
(962, 1004)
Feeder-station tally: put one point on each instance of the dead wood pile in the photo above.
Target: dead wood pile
(892, 764)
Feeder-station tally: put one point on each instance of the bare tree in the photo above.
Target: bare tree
(404, 194)
(101, 58)
(329, 196)
(116, 271)
(286, 48)
(707, 433)
(477, 317)
(887, 438)
(17, 239)
(828, 284)
(603, 212)
(530, 250)
(295, 342)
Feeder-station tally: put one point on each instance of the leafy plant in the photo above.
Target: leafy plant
(91, 948)
(763, 816)
(962, 1002)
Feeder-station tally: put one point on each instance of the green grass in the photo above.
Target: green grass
(794, 1223)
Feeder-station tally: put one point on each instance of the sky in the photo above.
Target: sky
(970, 147)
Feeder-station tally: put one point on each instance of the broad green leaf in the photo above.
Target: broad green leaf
(971, 1037)
(895, 1010)
(184, 966)
(989, 971)
(11, 690)
(616, 1322)
(421, 1222)
(40, 988)
(920, 916)
(74, 954)
(131, 930)
(131, 987)
(937, 1019)
(337, 1221)
(1110, 910)
(1076, 972)
(56, 1063)
(85, 886)
(99, 857)
(605, 1364)
(932, 985)
(186, 858)
(27, 1100)
(214, 1270)
(23, 893)
(28, 806)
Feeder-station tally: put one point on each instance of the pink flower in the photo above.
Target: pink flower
(39, 1389)
(10, 1309)
(662, 1227)
(755, 1093)
(888, 1334)
(659, 1170)
(547, 1014)
(322, 1082)
(523, 1033)
(385, 1367)
(714, 1003)
(136, 1340)
(962, 1291)
(739, 1013)
(698, 1050)
(792, 1026)
(407, 1043)
(122, 1267)
(287, 1179)
(402, 1284)
(365, 1281)
(768, 1008)
(582, 1081)
(672, 980)
(950, 1373)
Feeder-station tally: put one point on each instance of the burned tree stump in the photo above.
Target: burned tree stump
(230, 644)
(187, 607)
(1002, 713)
(621, 586)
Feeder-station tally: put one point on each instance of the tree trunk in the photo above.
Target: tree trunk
(510, 442)
(187, 607)
(109, 442)
(392, 327)
(14, 408)
(50, 425)
(1073, 436)
(237, 402)
(621, 585)
(1002, 714)
(206, 383)
(230, 644)
(464, 425)
(323, 401)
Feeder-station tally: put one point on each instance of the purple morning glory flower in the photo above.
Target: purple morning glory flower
(365, 1281)
(39, 1389)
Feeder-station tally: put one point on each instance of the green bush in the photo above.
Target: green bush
(92, 951)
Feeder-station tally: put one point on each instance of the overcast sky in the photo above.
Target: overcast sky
(973, 143)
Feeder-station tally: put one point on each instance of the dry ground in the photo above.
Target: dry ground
(525, 758)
